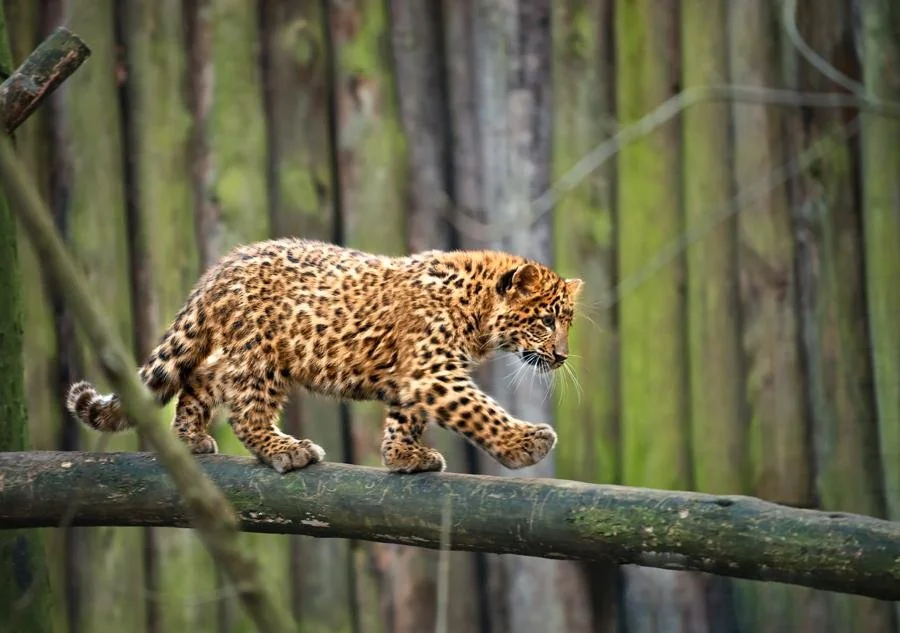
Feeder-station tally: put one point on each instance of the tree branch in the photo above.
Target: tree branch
(209, 510)
(47, 67)
(728, 535)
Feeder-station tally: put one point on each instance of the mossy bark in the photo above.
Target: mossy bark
(301, 202)
(24, 581)
(728, 535)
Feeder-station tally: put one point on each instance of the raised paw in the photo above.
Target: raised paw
(411, 458)
(293, 454)
(200, 443)
(528, 447)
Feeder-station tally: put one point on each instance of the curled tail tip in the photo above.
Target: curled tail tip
(79, 398)
(99, 412)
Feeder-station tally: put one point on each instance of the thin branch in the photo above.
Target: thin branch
(728, 535)
(467, 222)
(47, 67)
(209, 511)
(789, 21)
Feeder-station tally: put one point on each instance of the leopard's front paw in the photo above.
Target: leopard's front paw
(528, 447)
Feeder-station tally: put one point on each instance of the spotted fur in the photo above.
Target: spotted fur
(406, 331)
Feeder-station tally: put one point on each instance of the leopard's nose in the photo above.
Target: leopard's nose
(558, 358)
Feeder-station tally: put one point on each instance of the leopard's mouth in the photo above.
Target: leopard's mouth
(537, 360)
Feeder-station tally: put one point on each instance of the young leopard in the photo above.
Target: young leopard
(403, 330)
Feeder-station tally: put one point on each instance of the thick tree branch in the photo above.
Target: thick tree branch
(727, 535)
(208, 509)
(47, 67)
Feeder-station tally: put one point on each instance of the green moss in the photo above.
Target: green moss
(583, 230)
(651, 317)
(238, 125)
(881, 216)
(718, 429)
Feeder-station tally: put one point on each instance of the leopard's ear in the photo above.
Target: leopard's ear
(573, 286)
(521, 279)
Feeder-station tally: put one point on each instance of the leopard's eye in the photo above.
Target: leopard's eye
(548, 320)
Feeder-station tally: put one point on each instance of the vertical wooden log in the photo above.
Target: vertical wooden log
(881, 215)
(371, 166)
(584, 240)
(832, 299)
(44, 365)
(511, 68)
(718, 430)
(465, 190)
(717, 421)
(164, 265)
(780, 455)
(32, 145)
(652, 324)
(110, 573)
(416, 38)
(880, 159)
(294, 66)
(237, 146)
(24, 581)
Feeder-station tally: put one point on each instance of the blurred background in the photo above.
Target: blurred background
(740, 247)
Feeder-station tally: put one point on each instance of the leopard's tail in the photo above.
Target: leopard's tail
(101, 412)
(182, 347)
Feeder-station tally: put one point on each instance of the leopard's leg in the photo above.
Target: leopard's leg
(455, 402)
(255, 406)
(401, 448)
(193, 412)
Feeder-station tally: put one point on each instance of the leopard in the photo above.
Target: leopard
(407, 331)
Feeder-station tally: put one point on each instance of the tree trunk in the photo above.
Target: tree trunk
(24, 582)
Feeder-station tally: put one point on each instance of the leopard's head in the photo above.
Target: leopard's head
(534, 313)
